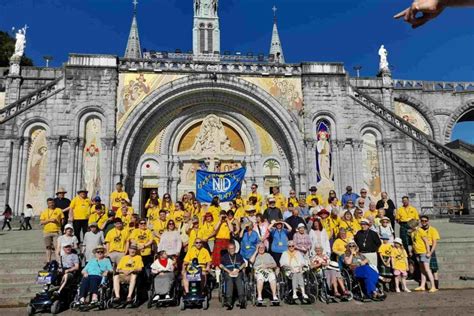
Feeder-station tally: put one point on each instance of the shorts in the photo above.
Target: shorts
(422, 258)
(124, 279)
(115, 257)
(50, 240)
(400, 273)
(265, 277)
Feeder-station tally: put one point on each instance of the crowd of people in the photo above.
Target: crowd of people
(275, 232)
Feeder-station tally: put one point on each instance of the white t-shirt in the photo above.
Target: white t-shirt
(28, 212)
(64, 240)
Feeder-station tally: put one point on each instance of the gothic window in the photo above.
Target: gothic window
(202, 39)
(210, 46)
(371, 165)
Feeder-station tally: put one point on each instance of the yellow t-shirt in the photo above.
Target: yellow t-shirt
(371, 214)
(258, 206)
(339, 246)
(223, 232)
(351, 227)
(385, 250)
(125, 219)
(189, 207)
(240, 212)
(170, 207)
(148, 202)
(117, 239)
(141, 237)
(405, 214)
(80, 207)
(399, 258)
(129, 263)
(328, 226)
(56, 214)
(334, 224)
(193, 234)
(202, 255)
(310, 197)
(240, 202)
(292, 200)
(117, 197)
(432, 234)
(153, 214)
(178, 217)
(280, 201)
(205, 230)
(102, 221)
(419, 246)
(96, 218)
(215, 211)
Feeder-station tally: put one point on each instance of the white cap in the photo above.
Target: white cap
(68, 226)
(301, 225)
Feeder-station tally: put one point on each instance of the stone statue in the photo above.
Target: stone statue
(383, 66)
(20, 42)
(197, 6)
(212, 138)
(214, 6)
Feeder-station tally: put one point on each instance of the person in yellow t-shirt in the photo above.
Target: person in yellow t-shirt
(159, 226)
(153, 200)
(153, 212)
(314, 195)
(51, 219)
(403, 215)
(421, 248)
(167, 203)
(193, 231)
(214, 208)
(223, 230)
(127, 271)
(239, 200)
(116, 241)
(292, 199)
(125, 212)
(385, 254)
(117, 196)
(206, 231)
(372, 212)
(178, 214)
(280, 199)
(339, 245)
(80, 211)
(203, 258)
(142, 237)
(400, 265)
(326, 222)
(257, 196)
(351, 225)
(98, 211)
(433, 237)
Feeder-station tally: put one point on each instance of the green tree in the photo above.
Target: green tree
(7, 48)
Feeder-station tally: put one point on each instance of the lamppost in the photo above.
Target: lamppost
(357, 68)
(47, 59)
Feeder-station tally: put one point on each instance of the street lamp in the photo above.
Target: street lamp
(357, 68)
(47, 59)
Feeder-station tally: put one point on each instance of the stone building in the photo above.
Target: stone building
(151, 119)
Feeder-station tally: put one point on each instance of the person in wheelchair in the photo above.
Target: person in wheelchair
(320, 262)
(361, 270)
(163, 272)
(69, 267)
(93, 275)
(293, 262)
(203, 258)
(127, 272)
(233, 264)
(264, 266)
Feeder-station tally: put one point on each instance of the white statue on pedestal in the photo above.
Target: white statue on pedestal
(383, 66)
(20, 42)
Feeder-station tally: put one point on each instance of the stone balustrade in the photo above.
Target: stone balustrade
(433, 85)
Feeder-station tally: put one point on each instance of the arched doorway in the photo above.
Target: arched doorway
(170, 125)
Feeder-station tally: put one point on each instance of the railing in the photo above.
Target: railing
(439, 150)
(217, 57)
(157, 65)
(31, 99)
(433, 85)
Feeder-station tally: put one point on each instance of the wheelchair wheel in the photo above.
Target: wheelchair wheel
(30, 310)
(182, 306)
(346, 275)
(205, 304)
(312, 284)
(150, 299)
(281, 287)
(56, 307)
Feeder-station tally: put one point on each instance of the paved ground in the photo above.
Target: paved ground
(441, 303)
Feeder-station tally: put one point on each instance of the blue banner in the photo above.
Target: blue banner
(224, 185)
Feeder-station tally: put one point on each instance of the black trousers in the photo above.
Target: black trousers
(6, 222)
(80, 225)
(230, 283)
(27, 223)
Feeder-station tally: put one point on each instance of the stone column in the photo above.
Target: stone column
(338, 148)
(13, 82)
(72, 165)
(80, 161)
(106, 167)
(53, 144)
(357, 165)
(21, 180)
(311, 163)
(14, 171)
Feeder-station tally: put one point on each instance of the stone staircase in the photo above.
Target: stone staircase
(465, 219)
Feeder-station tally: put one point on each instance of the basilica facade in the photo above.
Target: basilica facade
(152, 119)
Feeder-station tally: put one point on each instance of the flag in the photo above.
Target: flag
(224, 185)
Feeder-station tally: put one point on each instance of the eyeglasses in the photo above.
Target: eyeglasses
(99, 252)
(352, 246)
(142, 223)
(424, 221)
(198, 242)
(291, 246)
(362, 192)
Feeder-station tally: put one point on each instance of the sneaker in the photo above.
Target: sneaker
(156, 297)
(295, 296)
(167, 296)
(275, 299)
(420, 289)
(433, 290)
(305, 296)
(397, 290)
(260, 300)
(407, 290)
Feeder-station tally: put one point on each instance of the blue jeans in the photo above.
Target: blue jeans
(90, 285)
(370, 278)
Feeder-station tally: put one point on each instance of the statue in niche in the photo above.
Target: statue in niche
(325, 175)
(212, 138)
(38, 159)
(35, 191)
(197, 6)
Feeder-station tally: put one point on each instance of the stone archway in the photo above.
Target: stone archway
(195, 93)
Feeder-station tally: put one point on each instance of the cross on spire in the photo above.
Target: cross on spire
(274, 12)
(135, 2)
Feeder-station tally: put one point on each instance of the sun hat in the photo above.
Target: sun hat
(93, 224)
(61, 190)
(83, 190)
(365, 221)
(68, 226)
(99, 247)
(398, 240)
(333, 265)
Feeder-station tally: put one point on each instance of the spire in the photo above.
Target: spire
(275, 48)
(133, 45)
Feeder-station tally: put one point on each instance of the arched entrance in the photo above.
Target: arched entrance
(247, 127)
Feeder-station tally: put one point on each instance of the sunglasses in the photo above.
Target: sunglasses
(424, 221)
(198, 242)
(352, 246)
(291, 246)
(142, 223)
(99, 252)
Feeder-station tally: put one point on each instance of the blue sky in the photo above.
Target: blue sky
(349, 31)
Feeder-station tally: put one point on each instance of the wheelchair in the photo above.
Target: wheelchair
(222, 290)
(357, 287)
(173, 298)
(46, 300)
(199, 294)
(251, 290)
(124, 287)
(285, 287)
(324, 291)
(105, 295)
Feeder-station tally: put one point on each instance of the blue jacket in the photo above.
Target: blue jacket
(280, 240)
(249, 243)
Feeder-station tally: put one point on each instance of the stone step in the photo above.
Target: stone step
(19, 288)
(18, 278)
(17, 301)
(456, 284)
(18, 271)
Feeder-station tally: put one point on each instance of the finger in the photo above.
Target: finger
(400, 14)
